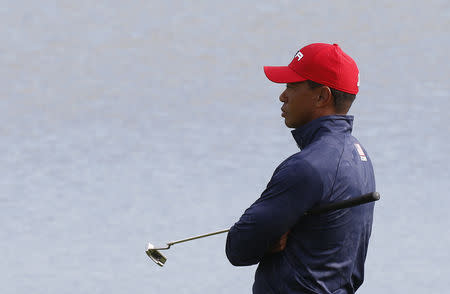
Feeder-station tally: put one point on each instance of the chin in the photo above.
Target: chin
(289, 124)
(294, 125)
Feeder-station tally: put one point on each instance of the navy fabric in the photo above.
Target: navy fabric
(324, 253)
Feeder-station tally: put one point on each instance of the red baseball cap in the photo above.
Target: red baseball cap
(322, 63)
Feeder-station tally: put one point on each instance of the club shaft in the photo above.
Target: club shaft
(366, 198)
(197, 237)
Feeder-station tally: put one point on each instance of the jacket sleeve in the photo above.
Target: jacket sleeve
(292, 190)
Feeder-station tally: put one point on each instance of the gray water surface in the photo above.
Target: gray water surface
(127, 122)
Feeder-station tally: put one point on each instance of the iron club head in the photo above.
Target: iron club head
(155, 255)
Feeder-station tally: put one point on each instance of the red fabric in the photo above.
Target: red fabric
(322, 63)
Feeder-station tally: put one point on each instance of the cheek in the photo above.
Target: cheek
(300, 105)
(301, 110)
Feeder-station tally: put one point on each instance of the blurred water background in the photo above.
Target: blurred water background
(127, 122)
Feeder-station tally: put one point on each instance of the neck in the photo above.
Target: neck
(320, 112)
(327, 111)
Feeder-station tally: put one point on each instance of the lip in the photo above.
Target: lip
(283, 112)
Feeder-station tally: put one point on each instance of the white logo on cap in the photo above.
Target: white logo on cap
(299, 55)
(358, 81)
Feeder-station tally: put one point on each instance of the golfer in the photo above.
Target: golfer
(318, 253)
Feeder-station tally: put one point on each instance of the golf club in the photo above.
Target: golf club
(160, 259)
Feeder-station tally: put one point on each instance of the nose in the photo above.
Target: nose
(283, 97)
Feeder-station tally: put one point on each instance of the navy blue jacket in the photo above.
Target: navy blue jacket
(324, 253)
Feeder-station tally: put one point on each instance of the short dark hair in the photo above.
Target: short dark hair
(342, 100)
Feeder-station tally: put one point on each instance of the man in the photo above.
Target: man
(318, 253)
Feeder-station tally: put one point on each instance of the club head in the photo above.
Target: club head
(155, 255)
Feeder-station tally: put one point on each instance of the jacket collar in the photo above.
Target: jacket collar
(306, 134)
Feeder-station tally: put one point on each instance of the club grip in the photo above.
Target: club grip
(366, 198)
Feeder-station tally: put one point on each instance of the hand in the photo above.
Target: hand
(280, 244)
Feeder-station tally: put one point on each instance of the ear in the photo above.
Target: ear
(325, 97)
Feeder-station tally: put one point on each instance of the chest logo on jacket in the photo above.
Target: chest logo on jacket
(361, 152)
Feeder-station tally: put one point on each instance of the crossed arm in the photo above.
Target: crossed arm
(264, 226)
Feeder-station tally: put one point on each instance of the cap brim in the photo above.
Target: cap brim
(282, 74)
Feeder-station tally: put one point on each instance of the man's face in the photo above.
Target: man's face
(298, 104)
